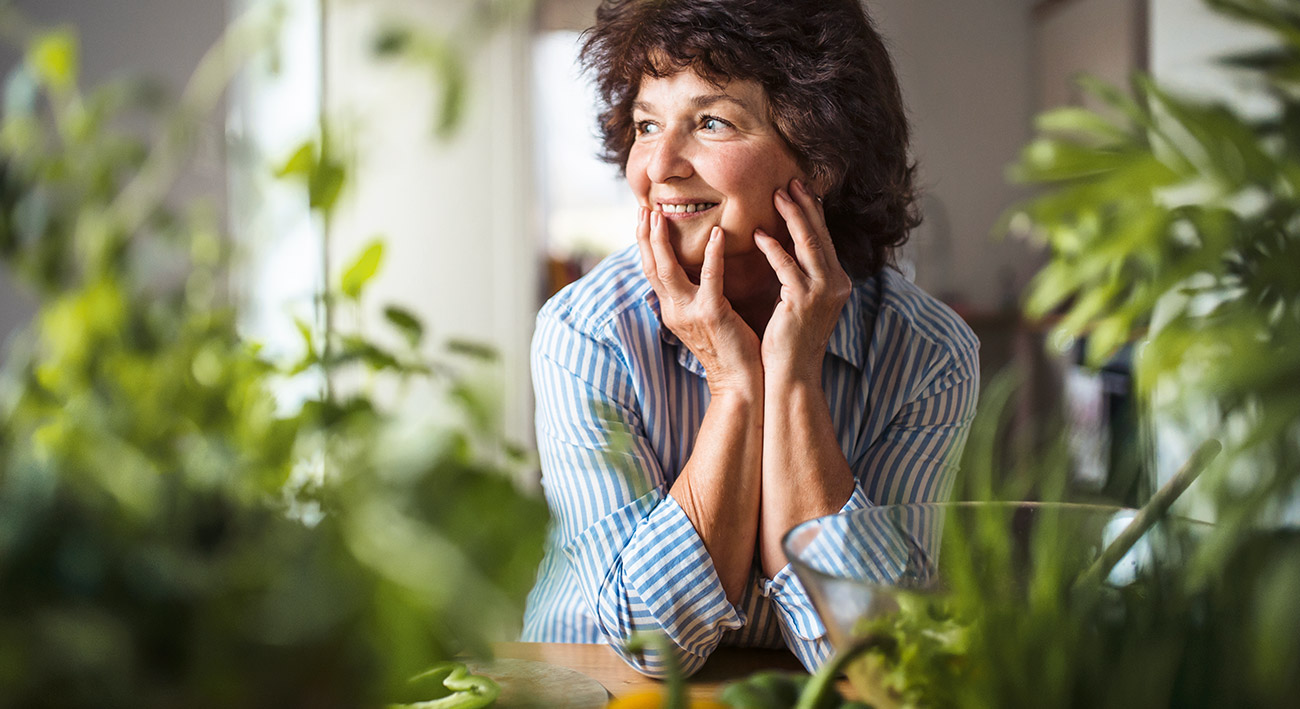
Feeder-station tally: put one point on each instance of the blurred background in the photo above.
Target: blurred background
(483, 228)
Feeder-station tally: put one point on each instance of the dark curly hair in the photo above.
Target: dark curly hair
(830, 86)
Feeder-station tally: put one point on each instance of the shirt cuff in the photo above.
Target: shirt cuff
(677, 579)
(657, 577)
(792, 600)
(793, 604)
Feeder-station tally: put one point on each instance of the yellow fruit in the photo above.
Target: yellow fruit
(654, 699)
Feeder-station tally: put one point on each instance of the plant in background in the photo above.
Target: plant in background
(170, 535)
(1176, 224)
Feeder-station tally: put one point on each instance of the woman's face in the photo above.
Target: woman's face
(706, 155)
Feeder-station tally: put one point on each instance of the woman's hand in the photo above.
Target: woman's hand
(814, 288)
(699, 315)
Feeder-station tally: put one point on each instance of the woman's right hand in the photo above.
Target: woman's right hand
(699, 315)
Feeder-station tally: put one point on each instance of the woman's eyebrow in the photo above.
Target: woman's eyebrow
(706, 100)
(699, 102)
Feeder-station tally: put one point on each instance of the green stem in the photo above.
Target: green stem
(674, 684)
(823, 682)
(326, 214)
(1153, 511)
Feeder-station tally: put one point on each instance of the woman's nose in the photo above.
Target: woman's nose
(669, 160)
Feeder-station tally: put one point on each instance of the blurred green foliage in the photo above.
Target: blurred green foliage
(1175, 224)
(171, 534)
(1014, 628)
(1172, 224)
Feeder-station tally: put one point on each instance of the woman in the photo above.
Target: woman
(751, 362)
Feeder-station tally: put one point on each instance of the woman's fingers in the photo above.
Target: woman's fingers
(813, 207)
(787, 269)
(667, 270)
(648, 265)
(711, 271)
(809, 245)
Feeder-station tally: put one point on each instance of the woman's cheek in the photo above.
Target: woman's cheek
(637, 180)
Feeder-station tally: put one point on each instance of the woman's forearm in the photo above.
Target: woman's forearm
(805, 474)
(719, 486)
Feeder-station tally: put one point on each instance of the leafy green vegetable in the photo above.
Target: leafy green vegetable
(924, 658)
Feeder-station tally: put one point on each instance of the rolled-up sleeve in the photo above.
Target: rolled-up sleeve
(639, 562)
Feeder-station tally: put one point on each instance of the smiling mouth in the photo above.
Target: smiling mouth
(678, 211)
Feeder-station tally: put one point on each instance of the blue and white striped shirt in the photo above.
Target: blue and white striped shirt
(619, 405)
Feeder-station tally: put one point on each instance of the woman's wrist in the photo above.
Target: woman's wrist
(742, 388)
(789, 377)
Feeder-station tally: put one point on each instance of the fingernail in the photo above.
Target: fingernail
(784, 195)
(654, 219)
(715, 234)
(799, 186)
(640, 215)
(760, 232)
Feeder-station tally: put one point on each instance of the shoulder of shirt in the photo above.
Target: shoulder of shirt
(590, 304)
(927, 317)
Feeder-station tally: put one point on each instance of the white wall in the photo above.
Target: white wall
(455, 216)
(967, 76)
(1186, 37)
(1096, 37)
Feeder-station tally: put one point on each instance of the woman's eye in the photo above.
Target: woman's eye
(646, 128)
(712, 124)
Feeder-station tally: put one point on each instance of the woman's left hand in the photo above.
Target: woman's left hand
(814, 288)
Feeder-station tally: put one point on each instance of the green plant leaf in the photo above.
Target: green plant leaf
(53, 58)
(301, 163)
(1072, 120)
(407, 322)
(1116, 99)
(325, 185)
(1221, 145)
(1267, 59)
(1051, 160)
(474, 350)
(308, 338)
(450, 75)
(357, 349)
(359, 273)
(391, 41)
(1048, 289)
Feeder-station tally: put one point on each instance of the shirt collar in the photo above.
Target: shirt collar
(847, 339)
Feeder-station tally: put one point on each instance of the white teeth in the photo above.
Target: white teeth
(686, 208)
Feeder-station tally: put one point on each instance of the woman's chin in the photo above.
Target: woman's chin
(689, 251)
(692, 270)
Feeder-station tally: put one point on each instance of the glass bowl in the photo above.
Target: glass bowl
(853, 564)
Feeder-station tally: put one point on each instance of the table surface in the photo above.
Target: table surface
(601, 663)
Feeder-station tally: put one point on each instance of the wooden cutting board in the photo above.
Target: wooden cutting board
(527, 683)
